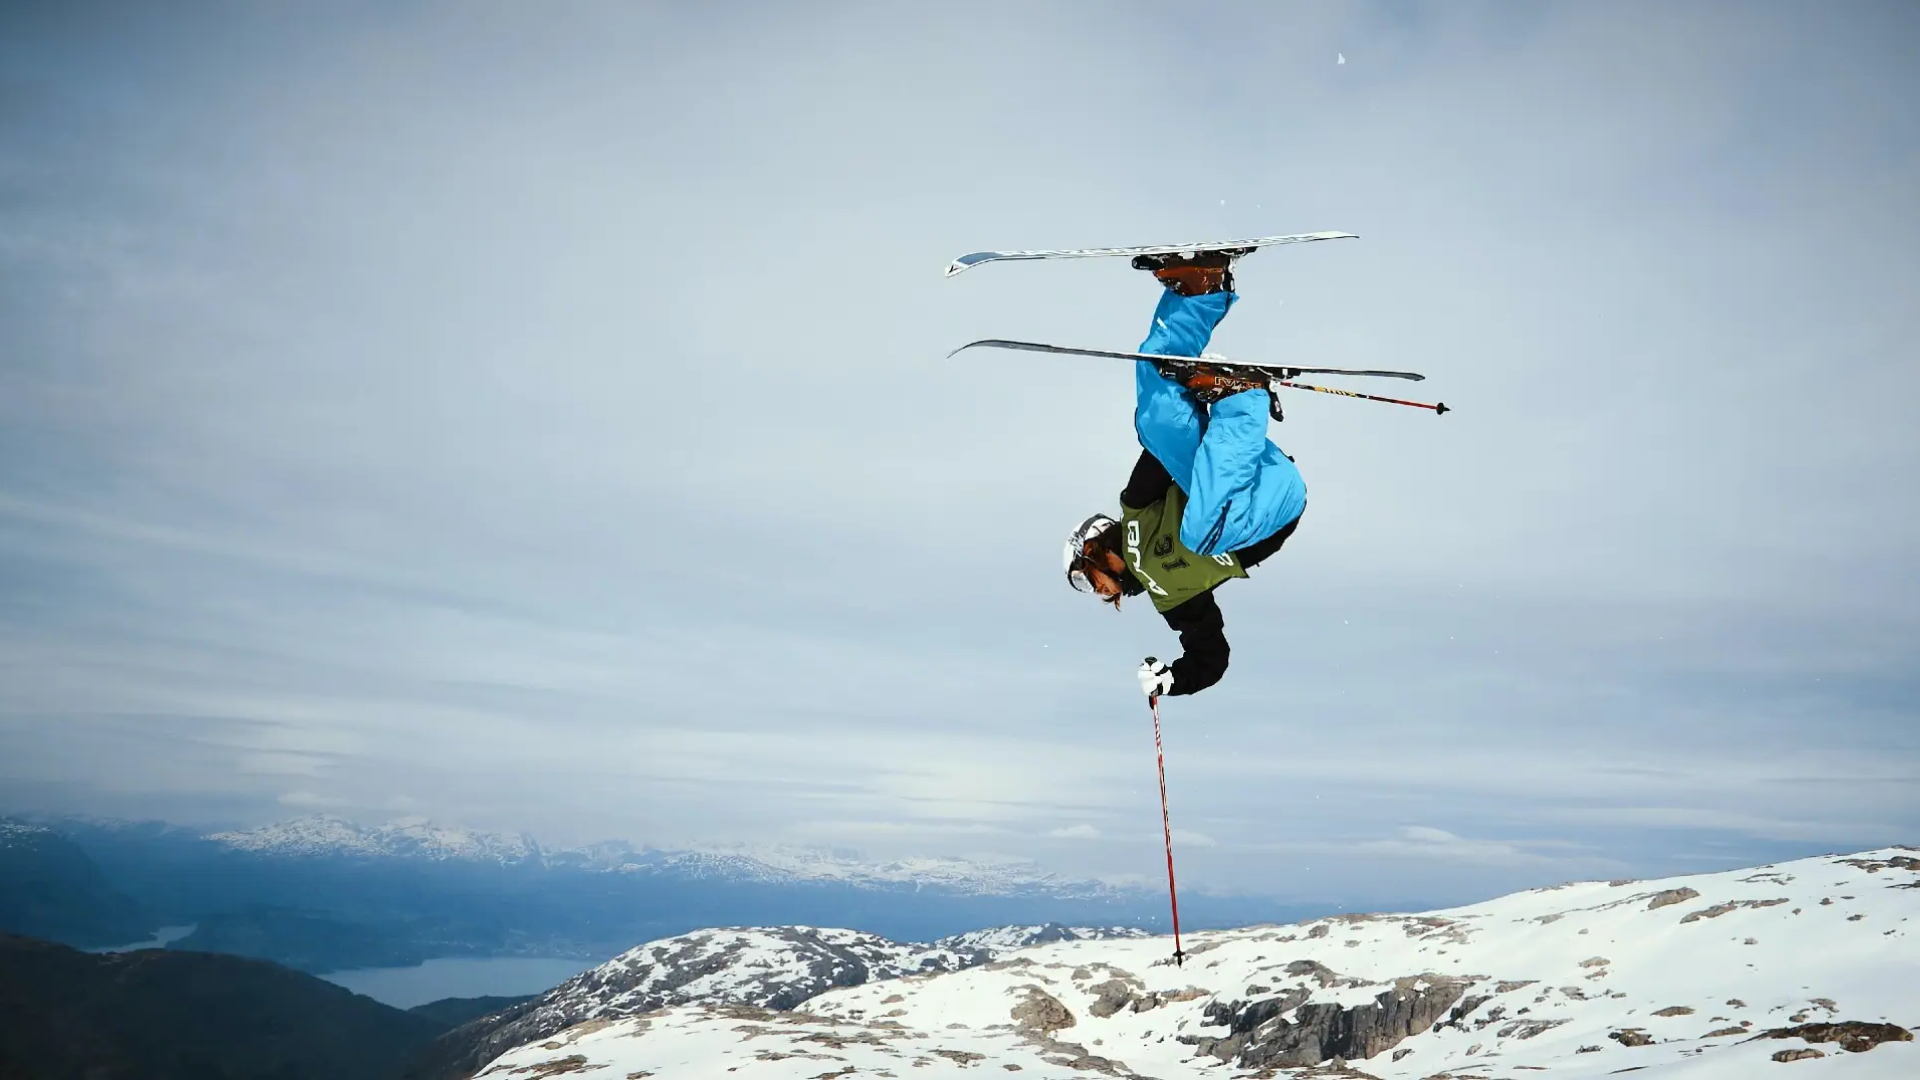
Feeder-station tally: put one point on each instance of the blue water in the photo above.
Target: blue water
(502, 976)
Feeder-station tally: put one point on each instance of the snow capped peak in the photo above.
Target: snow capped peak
(1005, 939)
(14, 833)
(324, 835)
(774, 967)
(791, 864)
(1704, 977)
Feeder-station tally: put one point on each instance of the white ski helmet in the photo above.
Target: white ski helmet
(1075, 554)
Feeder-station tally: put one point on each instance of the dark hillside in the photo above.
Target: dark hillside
(168, 1015)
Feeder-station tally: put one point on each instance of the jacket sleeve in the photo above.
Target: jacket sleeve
(1147, 485)
(1203, 639)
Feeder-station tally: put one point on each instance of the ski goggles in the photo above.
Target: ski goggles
(1075, 555)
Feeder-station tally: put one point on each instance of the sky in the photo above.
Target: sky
(538, 418)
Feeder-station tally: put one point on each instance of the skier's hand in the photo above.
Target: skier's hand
(1155, 677)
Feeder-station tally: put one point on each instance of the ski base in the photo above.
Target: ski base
(967, 262)
(1211, 359)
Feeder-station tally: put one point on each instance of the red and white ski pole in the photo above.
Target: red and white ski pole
(1166, 827)
(1439, 408)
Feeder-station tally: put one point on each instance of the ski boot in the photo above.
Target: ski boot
(1193, 274)
(1209, 381)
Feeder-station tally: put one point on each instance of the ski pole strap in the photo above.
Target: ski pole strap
(1166, 827)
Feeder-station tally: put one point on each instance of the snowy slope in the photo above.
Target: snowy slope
(771, 967)
(1669, 978)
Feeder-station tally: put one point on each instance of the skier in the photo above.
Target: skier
(1210, 497)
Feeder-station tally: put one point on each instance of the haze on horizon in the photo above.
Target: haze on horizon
(537, 419)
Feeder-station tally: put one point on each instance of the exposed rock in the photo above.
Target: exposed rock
(1671, 896)
(1114, 995)
(1156, 998)
(1041, 1013)
(1462, 1011)
(1718, 910)
(1242, 1020)
(1631, 1037)
(1874, 866)
(1507, 986)
(1320, 973)
(1260, 1037)
(1595, 961)
(1854, 1036)
(1527, 1029)
(1675, 1010)
(1718, 1033)
(1801, 1054)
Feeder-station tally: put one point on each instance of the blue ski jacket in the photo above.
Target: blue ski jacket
(1240, 488)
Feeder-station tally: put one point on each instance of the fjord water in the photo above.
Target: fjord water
(459, 977)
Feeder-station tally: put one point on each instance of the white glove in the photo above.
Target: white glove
(1156, 678)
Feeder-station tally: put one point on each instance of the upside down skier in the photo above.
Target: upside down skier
(1210, 496)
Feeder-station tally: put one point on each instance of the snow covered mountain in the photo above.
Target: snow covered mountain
(764, 967)
(409, 838)
(1806, 966)
(792, 865)
(324, 836)
(21, 834)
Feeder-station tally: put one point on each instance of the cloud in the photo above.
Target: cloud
(370, 426)
(307, 800)
(1075, 832)
(1421, 841)
(282, 764)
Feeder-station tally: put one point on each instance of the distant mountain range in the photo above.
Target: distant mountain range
(49, 888)
(323, 894)
(323, 836)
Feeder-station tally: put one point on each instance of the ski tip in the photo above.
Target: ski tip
(968, 262)
(983, 342)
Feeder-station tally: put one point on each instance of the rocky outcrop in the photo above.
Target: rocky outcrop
(1854, 1036)
(1259, 1035)
(1670, 897)
(1040, 1013)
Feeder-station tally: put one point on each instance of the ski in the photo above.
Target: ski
(1273, 370)
(967, 262)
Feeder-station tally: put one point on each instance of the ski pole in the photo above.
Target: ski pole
(1438, 409)
(1166, 827)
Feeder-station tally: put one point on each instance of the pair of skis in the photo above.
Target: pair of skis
(1275, 375)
